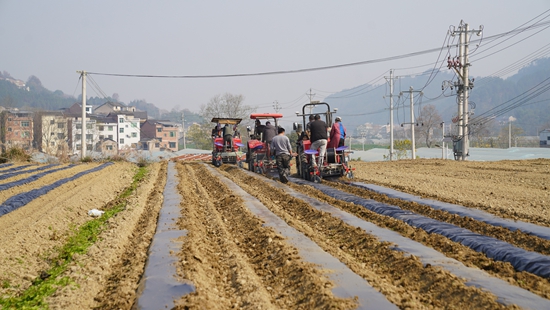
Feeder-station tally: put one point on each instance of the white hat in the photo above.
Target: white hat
(338, 118)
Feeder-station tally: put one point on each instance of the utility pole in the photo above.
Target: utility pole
(443, 140)
(391, 113)
(83, 135)
(276, 106)
(463, 91)
(310, 95)
(413, 144)
(183, 128)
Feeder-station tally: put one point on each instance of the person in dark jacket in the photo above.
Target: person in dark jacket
(228, 136)
(319, 138)
(269, 132)
(258, 130)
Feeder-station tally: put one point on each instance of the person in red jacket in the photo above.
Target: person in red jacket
(337, 134)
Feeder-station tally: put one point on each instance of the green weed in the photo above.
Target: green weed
(78, 243)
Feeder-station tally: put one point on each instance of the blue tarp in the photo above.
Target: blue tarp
(496, 249)
(17, 201)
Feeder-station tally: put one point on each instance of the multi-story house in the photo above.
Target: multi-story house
(91, 134)
(16, 129)
(129, 132)
(164, 131)
(52, 132)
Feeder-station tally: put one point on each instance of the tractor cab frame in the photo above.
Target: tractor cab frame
(257, 156)
(336, 161)
(226, 151)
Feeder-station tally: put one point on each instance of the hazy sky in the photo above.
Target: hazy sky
(54, 39)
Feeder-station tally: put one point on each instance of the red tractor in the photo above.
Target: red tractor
(336, 160)
(258, 156)
(226, 142)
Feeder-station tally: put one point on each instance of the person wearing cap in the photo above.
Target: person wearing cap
(280, 146)
(337, 134)
(319, 138)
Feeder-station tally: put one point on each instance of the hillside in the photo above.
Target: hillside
(370, 103)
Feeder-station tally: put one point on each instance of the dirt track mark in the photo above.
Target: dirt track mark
(234, 261)
(401, 278)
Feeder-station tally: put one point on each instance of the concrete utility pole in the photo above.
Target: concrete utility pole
(310, 95)
(391, 113)
(463, 91)
(183, 128)
(413, 144)
(276, 106)
(443, 151)
(83, 135)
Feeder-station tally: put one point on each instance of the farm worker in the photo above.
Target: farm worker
(258, 129)
(269, 132)
(319, 138)
(228, 136)
(236, 132)
(308, 126)
(216, 131)
(283, 152)
(337, 134)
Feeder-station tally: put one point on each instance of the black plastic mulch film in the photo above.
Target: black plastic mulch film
(22, 199)
(33, 177)
(521, 259)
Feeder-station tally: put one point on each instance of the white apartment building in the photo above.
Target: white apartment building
(128, 131)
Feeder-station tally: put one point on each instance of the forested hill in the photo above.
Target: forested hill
(33, 96)
(492, 97)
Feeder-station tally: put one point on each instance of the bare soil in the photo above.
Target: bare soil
(236, 262)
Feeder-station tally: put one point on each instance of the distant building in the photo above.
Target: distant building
(110, 107)
(52, 132)
(164, 131)
(129, 132)
(16, 129)
(544, 138)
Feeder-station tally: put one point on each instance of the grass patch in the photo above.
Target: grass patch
(78, 243)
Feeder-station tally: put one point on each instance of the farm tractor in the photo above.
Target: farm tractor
(336, 161)
(226, 142)
(258, 155)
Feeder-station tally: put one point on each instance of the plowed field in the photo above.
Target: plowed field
(242, 245)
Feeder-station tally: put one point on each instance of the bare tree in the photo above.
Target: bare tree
(226, 105)
(428, 120)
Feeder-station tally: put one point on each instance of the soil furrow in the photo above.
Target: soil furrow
(256, 258)
(401, 278)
